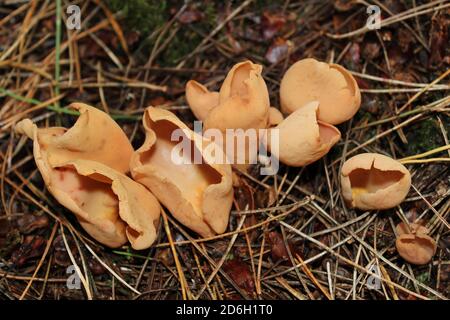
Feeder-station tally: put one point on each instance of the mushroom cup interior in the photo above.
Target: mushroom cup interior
(373, 179)
(241, 74)
(348, 79)
(421, 247)
(93, 194)
(197, 87)
(327, 133)
(191, 178)
(420, 242)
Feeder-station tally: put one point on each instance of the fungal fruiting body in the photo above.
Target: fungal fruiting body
(414, 244)
(372, 181)
(403, 228)
(80, 168)
(275, 117)
(302, 138)
(200, 99)
(110, 206)
(242, 104)
(243, 100)
(198, 193)
(94, 136)
(331, 84)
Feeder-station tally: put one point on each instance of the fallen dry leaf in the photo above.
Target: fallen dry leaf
(190, 15)
(240, 272)
(29, 223)
(32, 247)
(439, 39)
(344, 5)
(61, 257)
(278, 248)
(371, 50)
(271, 24)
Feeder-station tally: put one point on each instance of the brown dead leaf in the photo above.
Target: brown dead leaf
(394, 6)
(190, 15)
(404, 76)
(271, 24)
(29, 223)
(95, 267)
(278, 248)
(439, 39)
(32, 247)
(61, 257)
(371, 50)
(240, 272)
(405, 39)
(344, 5)
(362, 84)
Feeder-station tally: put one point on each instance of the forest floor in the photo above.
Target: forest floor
(290, 236)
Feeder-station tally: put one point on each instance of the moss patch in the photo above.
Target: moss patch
(145, 16)
(141, 15)
(424, 136)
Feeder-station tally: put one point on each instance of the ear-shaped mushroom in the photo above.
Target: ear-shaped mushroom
(94, 136)
(302, 138)
(243, 105)
(243, 100)
(194, 184)
(414, 245)
(372, 181)
(416, 248)
(330, 84)
(403, 228)
(109, 206)
(200, 99)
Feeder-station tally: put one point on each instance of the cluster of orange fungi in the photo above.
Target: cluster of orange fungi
(116, 191)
